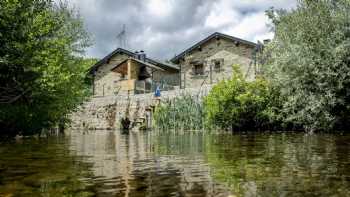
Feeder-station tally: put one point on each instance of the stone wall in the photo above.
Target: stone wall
(100, 113)
(106, 81)
(223, 50)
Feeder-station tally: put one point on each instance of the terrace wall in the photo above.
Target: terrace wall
(102, 113)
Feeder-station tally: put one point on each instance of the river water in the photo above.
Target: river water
(108, 163)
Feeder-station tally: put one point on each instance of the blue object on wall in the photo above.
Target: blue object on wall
(157, 93)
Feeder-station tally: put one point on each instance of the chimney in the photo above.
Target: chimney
(142, 56)
(136, 55)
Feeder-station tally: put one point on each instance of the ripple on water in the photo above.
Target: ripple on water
(107, 163)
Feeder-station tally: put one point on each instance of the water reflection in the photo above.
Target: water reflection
(282, 165)
(41, 167)
(148, 164)
(108, 163)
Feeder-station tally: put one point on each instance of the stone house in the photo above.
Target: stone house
(211, 59)
(204, 63)
(123, 72)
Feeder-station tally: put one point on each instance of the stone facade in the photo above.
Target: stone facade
(207, 62)
(105, 81)
(120, 74)
(215, 58)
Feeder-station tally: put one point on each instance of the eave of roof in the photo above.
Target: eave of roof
(176, 58)
(105, 59)
(165, 65)
(129, 53)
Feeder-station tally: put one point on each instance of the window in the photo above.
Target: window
(198, 69)
(218, 63)
(217, 66)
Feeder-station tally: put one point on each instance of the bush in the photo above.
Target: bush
(309, 62)
(239, 104)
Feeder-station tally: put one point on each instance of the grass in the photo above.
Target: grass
(181, 113)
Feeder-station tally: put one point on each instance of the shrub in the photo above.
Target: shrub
(309, 62)
(239, 104)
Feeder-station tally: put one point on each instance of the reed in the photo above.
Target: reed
(184, 112)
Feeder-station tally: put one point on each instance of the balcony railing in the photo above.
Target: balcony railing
(143, 87)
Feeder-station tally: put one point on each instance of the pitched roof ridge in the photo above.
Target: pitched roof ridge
(207, 39)
(104, 60)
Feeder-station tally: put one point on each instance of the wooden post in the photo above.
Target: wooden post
(129, 69)
(130, 78)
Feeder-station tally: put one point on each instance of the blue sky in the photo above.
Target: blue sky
(164, 28)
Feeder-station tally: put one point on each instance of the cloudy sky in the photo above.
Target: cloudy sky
(164, 28)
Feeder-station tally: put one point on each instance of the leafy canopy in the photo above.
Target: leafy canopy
(309, 61)
(42, 73)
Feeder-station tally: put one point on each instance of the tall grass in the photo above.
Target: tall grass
(181, 113)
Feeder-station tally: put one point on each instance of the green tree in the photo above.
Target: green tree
(42, 72)
(238, 104)
(309, 61)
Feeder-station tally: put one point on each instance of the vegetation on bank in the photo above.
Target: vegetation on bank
(305, 84)
(239, 104)
(183, 113)
(308, 61)
(43, 75)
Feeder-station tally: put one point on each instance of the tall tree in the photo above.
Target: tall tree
(310, 63)
(42, 72)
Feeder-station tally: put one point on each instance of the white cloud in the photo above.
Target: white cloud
(166, 27)
(221, 14)
(160, 8)
(244, 19)
(258, 5)
(251, 26)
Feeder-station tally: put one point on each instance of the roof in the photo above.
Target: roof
(214, 35)
(166, 66)
(139, 61)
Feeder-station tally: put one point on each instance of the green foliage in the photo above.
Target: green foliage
(42, 77)
(309, 62)
(238, 104)
(184, 112)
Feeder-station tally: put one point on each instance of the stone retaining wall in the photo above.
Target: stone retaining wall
(105, 112)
